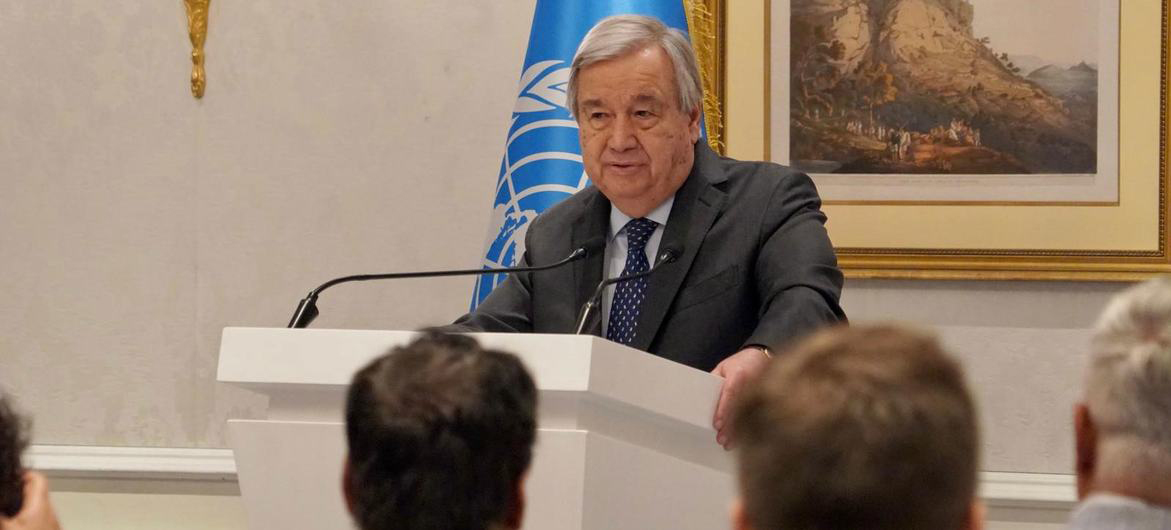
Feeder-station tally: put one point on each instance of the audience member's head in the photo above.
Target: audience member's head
(24, 494)
(440, 435)
(12, 444)
(861, 427)
(1123, 426)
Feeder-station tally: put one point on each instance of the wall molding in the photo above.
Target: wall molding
(170, 463)
(1036, 490)
(1033, 490)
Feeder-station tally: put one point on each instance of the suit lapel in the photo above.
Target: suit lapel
(697, 204)
(588, 272)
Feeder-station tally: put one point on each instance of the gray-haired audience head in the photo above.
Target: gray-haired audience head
(440, 435)
(620, 35)
(858, 427)
(1124, 423)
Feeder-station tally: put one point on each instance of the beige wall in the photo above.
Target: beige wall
(138, 221)
(145, 504)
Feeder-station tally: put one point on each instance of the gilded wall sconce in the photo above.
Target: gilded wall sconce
(197, 30)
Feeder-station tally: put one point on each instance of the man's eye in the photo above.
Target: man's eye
(642, 114)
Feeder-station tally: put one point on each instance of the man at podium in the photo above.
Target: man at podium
(741, 260)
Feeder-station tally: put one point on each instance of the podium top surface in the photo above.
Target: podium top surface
(275, 359)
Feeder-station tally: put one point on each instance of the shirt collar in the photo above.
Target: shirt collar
(659, 215)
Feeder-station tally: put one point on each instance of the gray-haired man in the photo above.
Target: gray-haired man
(1123, 426)
(753, 268)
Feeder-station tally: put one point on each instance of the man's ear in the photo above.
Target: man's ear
(693, 126)
(347, 484)
(516, 511)
(976, 513)
(1085, 435)
(739, 515)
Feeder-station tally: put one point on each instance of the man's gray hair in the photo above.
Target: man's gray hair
(1128, 383)
(620, 35)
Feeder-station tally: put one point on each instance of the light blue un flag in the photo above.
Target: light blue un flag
(542, 158)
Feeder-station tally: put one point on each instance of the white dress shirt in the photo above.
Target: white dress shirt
(1102, 511)
(616, 248)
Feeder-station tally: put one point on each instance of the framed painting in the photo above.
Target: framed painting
(979, 139)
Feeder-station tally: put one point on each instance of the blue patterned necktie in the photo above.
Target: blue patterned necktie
(628, 296)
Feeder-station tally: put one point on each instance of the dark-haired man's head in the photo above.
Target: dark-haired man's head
(862, 427)
(440, 435)
(12, 444)
(24, 494)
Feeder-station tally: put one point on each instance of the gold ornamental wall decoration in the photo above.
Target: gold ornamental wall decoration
(706, 21)
(197, 30)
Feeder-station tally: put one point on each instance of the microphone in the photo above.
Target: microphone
(668, 255)
(307, 308)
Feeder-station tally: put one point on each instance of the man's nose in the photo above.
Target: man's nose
(622, 136)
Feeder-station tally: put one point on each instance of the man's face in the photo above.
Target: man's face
(636, 142)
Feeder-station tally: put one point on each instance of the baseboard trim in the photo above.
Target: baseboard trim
(165, 463)
(1033, 490)
(1037, 490)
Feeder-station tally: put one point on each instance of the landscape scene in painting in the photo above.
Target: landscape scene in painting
(937, 87)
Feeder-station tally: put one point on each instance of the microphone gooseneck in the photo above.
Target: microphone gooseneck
(668, 255)
(307, 308)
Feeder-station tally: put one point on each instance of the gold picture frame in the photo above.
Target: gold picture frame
(1122, 241)
(706, 21)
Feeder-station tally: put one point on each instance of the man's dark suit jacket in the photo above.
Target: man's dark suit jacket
(756, 266)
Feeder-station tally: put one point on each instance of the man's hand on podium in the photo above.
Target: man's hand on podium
(736, 370)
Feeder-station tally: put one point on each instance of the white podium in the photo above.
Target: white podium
(624, 440)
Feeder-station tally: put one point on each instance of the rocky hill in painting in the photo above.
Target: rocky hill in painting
(903, 86)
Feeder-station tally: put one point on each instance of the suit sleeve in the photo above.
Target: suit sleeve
(796, 271)
(509, 308)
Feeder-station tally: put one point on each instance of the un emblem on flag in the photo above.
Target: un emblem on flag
(541, 167)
